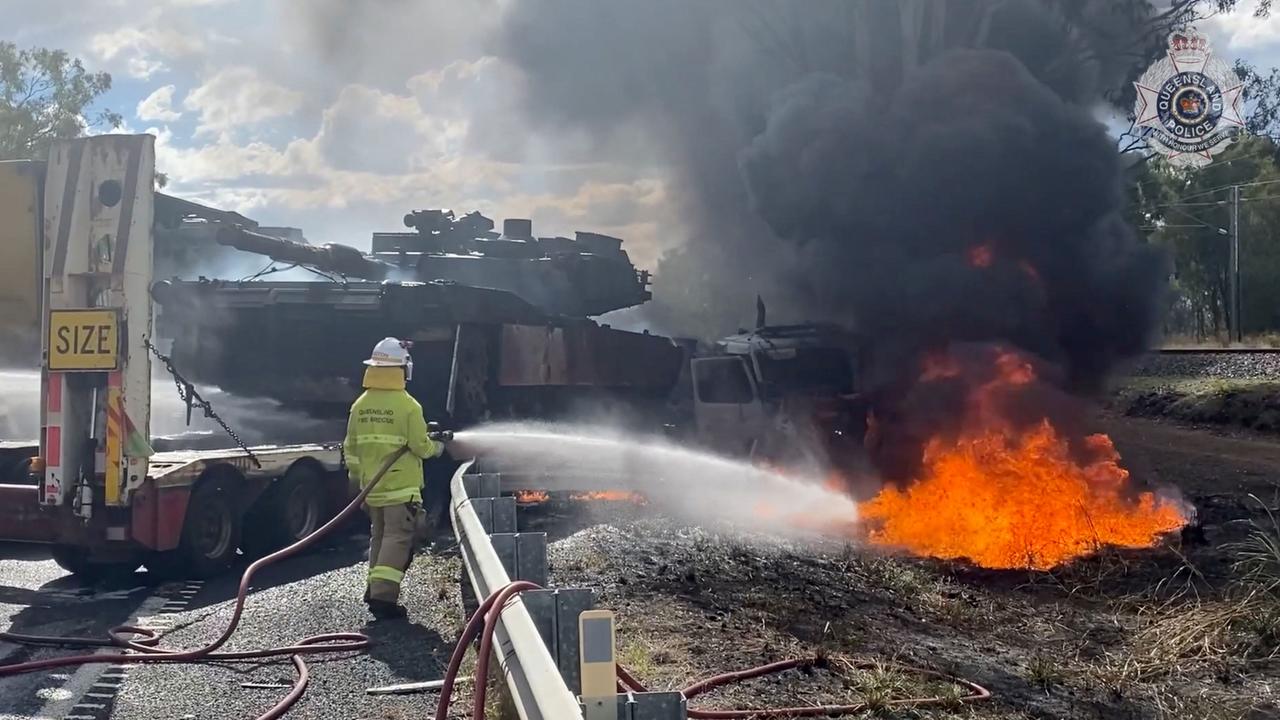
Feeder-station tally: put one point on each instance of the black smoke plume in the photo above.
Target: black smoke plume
(930, 173)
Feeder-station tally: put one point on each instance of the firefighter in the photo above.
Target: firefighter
(384, 419)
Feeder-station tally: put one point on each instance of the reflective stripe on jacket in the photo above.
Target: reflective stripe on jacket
(384, 419)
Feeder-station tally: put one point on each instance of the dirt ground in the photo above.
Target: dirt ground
(1188, 630)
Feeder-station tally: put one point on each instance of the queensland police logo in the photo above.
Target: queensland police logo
(1189, 102)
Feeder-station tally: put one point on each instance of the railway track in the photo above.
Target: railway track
(1241, 364)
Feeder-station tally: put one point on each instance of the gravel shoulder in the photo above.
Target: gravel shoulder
(313, 594)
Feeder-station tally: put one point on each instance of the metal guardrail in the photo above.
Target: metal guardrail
(533, 677)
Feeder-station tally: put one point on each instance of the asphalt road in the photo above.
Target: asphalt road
(316, 593)
(38, 597)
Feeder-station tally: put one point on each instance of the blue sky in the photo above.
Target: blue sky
(338, 117)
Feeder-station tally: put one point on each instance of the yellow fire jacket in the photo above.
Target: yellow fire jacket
(384, 419)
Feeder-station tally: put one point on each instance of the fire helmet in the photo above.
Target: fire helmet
(391, 352)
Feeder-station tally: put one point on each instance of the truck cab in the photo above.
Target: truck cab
(779, 392)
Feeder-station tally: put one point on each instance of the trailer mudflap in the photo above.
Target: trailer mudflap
(158, 514)
(21, 517)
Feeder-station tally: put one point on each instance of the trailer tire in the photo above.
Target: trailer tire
(76, 561)
(211, 531)
(291, 509)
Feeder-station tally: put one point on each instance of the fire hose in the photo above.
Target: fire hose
(485, 619)
(145, 643)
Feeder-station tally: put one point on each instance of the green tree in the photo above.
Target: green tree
(46, 95)
(1189, 211)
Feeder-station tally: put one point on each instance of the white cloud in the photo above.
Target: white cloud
(1243, 32)
(369, 129)
(300, 176)
(143, 68)
(158, 106)
(237, 96)
(639, 212)
(484, 94)
(143, 46)
(303, 118)
(378, 153)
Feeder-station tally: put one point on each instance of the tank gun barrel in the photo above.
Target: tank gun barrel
(341, 259)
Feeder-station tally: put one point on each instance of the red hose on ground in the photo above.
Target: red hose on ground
(488, 613)
(147, 650)
(976, 691)
(491, 609)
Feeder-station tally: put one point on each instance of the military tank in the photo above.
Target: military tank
(499, 321)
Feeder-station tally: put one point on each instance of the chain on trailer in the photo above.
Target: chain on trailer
(189, 395)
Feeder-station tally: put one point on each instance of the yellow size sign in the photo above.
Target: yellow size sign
(84, 340)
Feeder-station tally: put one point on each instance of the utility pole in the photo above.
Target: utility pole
(1233, 266)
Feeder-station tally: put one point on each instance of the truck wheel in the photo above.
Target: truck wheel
(290, 510)
(211, 532)
(302, 504)
(76, 561)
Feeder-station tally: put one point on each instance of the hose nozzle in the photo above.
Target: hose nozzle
(435, 433)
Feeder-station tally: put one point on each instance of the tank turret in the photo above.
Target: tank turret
(589, 274)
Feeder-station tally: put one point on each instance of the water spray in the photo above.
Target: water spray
(693, 484)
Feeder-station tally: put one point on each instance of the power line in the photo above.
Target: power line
(1228, 186)
(1257, 154)
(1197, 204)
(1202, 222)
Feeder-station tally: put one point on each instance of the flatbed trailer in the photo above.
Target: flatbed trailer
(92, 485)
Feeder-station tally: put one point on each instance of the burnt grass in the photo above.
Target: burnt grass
(1187, 630)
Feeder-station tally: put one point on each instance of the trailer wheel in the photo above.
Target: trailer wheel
(288, 511)
(299, 504)
(211, 532)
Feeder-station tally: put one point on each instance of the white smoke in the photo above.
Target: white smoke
(257, 420)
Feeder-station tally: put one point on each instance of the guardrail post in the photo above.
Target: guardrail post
(504, 515)
(651, 706)
(482, 485)
(497, 514)
(555, 613)
(531, 558)
(570, 604)
(657, 706)
(523, 555)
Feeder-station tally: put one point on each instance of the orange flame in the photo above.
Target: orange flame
(1008, 498)
(532, 497)
(610, 496)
